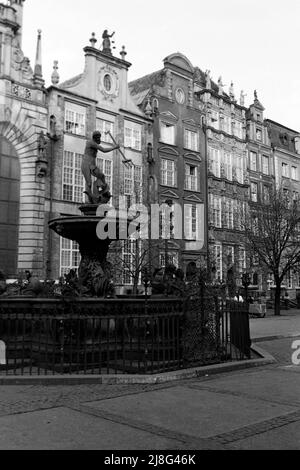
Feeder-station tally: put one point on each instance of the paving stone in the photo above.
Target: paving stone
(66, 429)
(199, 413)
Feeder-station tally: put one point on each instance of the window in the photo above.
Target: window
(239, 169)
(294, 173)
(255, 228)
(69, 256)
(227, 124)
(105, 126)
(133, 185)
(218, 262)
(265, 165)
(266, 194)
(214, 119)
(73, 181)
(229, 256)
(133, 136)
(9, 207)
(129, 251)
(107, 82)
(191, 140)
(190, 222)
(191, 177)
(75, 119)
(254, 190)
(106, 166)
(253, 161)
(228, 213)
(242, 259)
(239, 129)
(172, 258)
(214, 161)
(259, 135)
(166, 222)
(167, 172)
(215, 211)
(227, 165)
(238, 214)
(167, 133)
(285, 170)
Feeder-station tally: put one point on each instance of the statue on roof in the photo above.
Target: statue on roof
(255, 95)
(221, 86)
(207, 80)
(231, 92)
(242, 98)
(106, 44)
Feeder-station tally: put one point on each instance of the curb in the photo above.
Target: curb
(274, 338)
(205, 371)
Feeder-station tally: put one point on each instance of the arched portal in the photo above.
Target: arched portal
(9, 207)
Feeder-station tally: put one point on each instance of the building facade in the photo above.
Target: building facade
(23, 164)
(179, 166)
(98, 99)
(196, 151)
(285, 150)
(228, 182)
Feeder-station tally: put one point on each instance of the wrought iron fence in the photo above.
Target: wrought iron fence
(114, 336)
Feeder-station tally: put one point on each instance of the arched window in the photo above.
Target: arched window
(9, 207)
(107, 82)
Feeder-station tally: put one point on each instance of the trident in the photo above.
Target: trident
(125, 160)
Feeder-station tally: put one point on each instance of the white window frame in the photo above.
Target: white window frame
(104, 126)
(239, 168)
(133, 136)
(133, 184)
(215, 161)
(168, 172)
(266, 168)
(253, 161)
(72, 177)
(285, 170)
(75, 121)
(106, 166)
(172, 256)
(215, 120)
(254, 193)
(216, 210)
(218, 255)
(238, 129)
(191, 181)
(191, 140)
(294, 173)
(227, 125)
(69, 249)
(227, 163)
(191, 222)
(167, 132)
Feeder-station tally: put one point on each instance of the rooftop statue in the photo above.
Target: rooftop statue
(106, 44)
(207, 80)
(100, 192)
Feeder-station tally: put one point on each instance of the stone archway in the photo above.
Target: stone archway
(9, 207)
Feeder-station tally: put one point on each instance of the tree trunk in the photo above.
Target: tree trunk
(277, 300)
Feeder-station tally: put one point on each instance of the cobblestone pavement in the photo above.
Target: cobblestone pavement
(234, 410)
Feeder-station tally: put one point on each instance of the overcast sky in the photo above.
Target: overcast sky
(254, 43)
